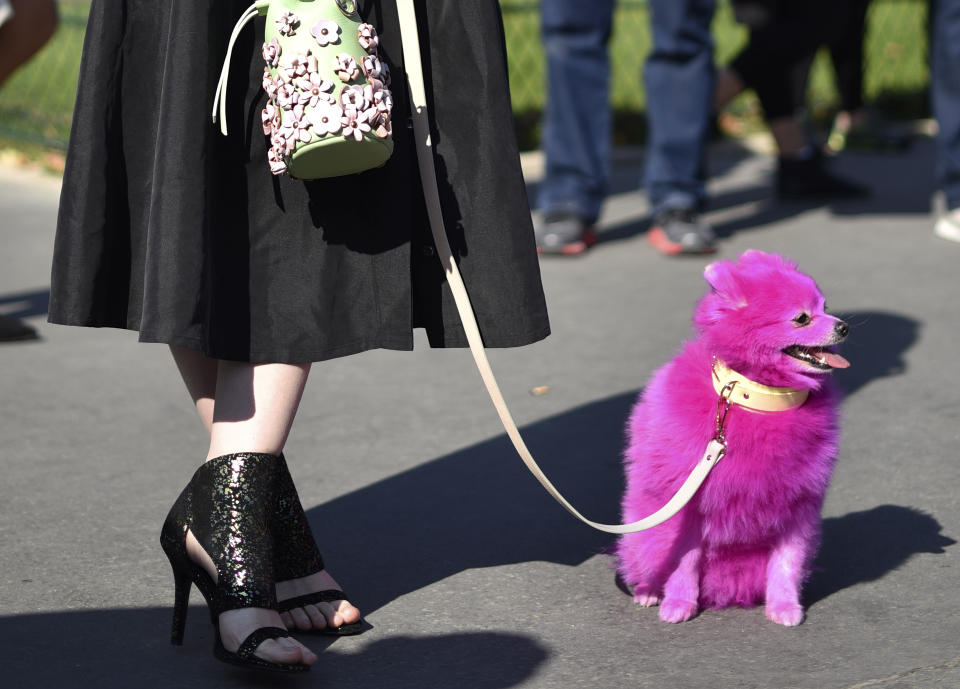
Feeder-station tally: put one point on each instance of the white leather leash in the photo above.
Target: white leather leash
(421, 127)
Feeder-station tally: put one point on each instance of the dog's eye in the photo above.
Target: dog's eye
(802, 318)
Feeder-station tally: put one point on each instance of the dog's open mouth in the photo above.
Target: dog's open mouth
(819, 357)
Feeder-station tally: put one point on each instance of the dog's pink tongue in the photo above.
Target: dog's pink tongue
(834, 360)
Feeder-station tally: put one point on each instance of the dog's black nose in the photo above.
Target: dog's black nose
(842, 329)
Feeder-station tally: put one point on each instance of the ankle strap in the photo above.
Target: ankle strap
(231, 512)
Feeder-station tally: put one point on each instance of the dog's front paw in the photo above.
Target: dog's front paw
(672, 610)
(787, 614)
(646, 599)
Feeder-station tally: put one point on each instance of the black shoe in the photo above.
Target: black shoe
(564, 233)
(808, 179)
(296, 554)
(228, 505)
(680, 231)
(14, 330)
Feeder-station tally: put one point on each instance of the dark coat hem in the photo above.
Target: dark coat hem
(456, 339)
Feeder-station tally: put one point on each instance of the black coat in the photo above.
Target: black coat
(169, 228)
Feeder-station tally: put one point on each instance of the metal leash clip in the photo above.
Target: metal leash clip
(723, 407)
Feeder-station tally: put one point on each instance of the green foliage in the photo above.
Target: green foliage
(895, 64)
(36, 104)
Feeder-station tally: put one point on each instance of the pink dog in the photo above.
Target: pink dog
(752, 531)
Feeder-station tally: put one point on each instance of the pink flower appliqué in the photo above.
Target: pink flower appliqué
(286, 23)
(326, 32)
(346, 67)
(295, 66)
(271, 118)
(355, 123)
(314, 88)
(295, 127)
(367, 36)
(270, 85)
(326, 118)
(276, 160)
(354, 98)
(281, 143)
(372, 67)
(384, 128)
(271, 52)
(287, 96)
(384, 73)
(383, 101)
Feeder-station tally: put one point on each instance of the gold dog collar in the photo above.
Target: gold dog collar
(753, 395)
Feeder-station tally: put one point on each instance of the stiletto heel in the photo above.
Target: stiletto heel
(296, 554)
(226, 506)
(183, 582)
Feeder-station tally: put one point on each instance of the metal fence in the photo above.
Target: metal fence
(35, 105)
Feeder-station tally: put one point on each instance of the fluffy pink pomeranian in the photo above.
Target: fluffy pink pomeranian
(750, 534)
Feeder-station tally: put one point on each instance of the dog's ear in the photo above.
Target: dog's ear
(755, 257)
(722, 277)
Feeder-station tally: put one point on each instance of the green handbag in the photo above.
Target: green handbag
(328, 97)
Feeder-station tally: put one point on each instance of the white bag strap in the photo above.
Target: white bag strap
(421, 127)
(220, 99)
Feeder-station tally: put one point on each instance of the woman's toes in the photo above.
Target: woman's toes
(285, 650)
(344, 613)
(300, 619)
(317, 620)
(351, 614)
(307, 657)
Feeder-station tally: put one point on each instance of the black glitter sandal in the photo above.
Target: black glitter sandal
(328, 596)
(227, 506)
(296, 554)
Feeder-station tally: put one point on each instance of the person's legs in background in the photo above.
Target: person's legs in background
(679, 79)
(577, 123)
(768, 64)
(846, 53)
(945, 97)
(29, 25)
(25, 26)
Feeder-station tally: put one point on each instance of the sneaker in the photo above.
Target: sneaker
(948, 226)
(680, 231)
(13, 330)
(807, 179)
(564, 233)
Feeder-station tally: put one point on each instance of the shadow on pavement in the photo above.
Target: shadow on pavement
(884, 174)
(479, 507)
(475, 508)
(25, 304)
(118, 649)
(864, 546)
(875, 347)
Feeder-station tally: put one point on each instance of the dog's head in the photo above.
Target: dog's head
(767, 320)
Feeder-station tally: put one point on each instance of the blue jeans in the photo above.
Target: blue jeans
(577, 118)
(679, 77)
(945, 95)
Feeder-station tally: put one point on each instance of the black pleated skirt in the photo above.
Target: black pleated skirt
(170, 229)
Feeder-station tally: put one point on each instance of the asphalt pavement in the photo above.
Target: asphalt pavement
(468, 574)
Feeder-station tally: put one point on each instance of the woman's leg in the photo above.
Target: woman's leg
(254, 406)
(221, 392)
(199, 373)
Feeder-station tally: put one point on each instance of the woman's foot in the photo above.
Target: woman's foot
(237, 625)
(317, 616)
